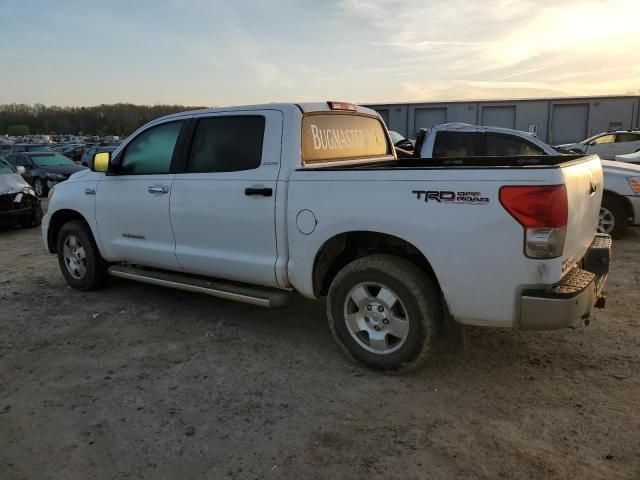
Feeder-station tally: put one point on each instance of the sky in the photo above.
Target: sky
(217, 53)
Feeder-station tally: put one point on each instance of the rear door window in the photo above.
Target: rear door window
(627, 137)
(498, 145)
(227, 144)
(330, 137)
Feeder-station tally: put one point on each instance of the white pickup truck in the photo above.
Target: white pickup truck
(251, 203)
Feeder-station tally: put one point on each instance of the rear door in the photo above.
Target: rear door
(223, 200)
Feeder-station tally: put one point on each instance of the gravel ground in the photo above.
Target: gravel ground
(138, 381)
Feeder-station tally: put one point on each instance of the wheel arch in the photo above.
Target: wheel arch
(343, 248)
(58, 219)
(624, 201)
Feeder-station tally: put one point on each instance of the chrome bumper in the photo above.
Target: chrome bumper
(569, 302)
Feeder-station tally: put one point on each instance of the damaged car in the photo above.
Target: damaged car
(19, 204)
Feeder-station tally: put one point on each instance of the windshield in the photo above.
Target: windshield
(4, 167)
(51, 160)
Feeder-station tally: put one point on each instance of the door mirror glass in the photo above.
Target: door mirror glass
(100, 162)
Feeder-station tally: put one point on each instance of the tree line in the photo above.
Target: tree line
(118, 119)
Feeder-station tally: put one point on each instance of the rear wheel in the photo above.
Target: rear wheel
(383, 312)
(613, 217)
(80, 261)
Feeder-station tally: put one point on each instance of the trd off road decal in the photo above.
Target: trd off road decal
(445, 196)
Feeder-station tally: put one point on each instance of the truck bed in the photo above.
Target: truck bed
(541, 161)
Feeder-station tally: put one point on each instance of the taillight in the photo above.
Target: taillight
(543, 212)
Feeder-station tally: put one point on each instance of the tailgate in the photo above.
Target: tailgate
(584, 182)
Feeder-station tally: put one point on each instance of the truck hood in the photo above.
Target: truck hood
(12, 183)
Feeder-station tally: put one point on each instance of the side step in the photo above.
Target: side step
(263, 297)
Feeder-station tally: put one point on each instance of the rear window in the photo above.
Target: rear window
(335, 136)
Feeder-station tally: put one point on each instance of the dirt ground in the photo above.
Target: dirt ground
(137, 381)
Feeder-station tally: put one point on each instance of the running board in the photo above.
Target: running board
(263, 297)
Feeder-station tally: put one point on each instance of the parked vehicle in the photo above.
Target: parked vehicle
(88, 155)
(74, 152)
(43, 170)
(250, 203)
(621, 200)
(18, 202)
(607, 144)
(629, 158)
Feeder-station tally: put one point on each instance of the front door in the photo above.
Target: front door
(223, 204)
(132, 205)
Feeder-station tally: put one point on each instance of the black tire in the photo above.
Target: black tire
(34, 220)
(617, 210)
(40, 187)
(417, 295)
(94, 274)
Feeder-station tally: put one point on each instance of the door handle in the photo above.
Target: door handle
(265, 192)
(158, 189)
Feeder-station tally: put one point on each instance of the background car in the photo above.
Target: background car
(607, 145)
(74, 152)
(18, 202)
(43, 169)
(87, 157)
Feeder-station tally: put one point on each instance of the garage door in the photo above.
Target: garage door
(428, 117)
(503, 116)
(569, 123)
(384, 113)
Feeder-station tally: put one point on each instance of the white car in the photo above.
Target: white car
(607, 145)
(251, 203)
(621, 200)
(629, 158)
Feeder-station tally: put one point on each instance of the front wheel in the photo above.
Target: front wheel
(383, 312)
(80, 261)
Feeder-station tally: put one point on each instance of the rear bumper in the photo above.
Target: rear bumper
(570, 301)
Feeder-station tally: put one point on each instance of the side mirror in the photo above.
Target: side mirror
(20, 170)
(100, 162)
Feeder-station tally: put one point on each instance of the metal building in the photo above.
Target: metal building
(554, 120)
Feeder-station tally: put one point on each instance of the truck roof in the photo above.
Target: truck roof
(306, 107)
